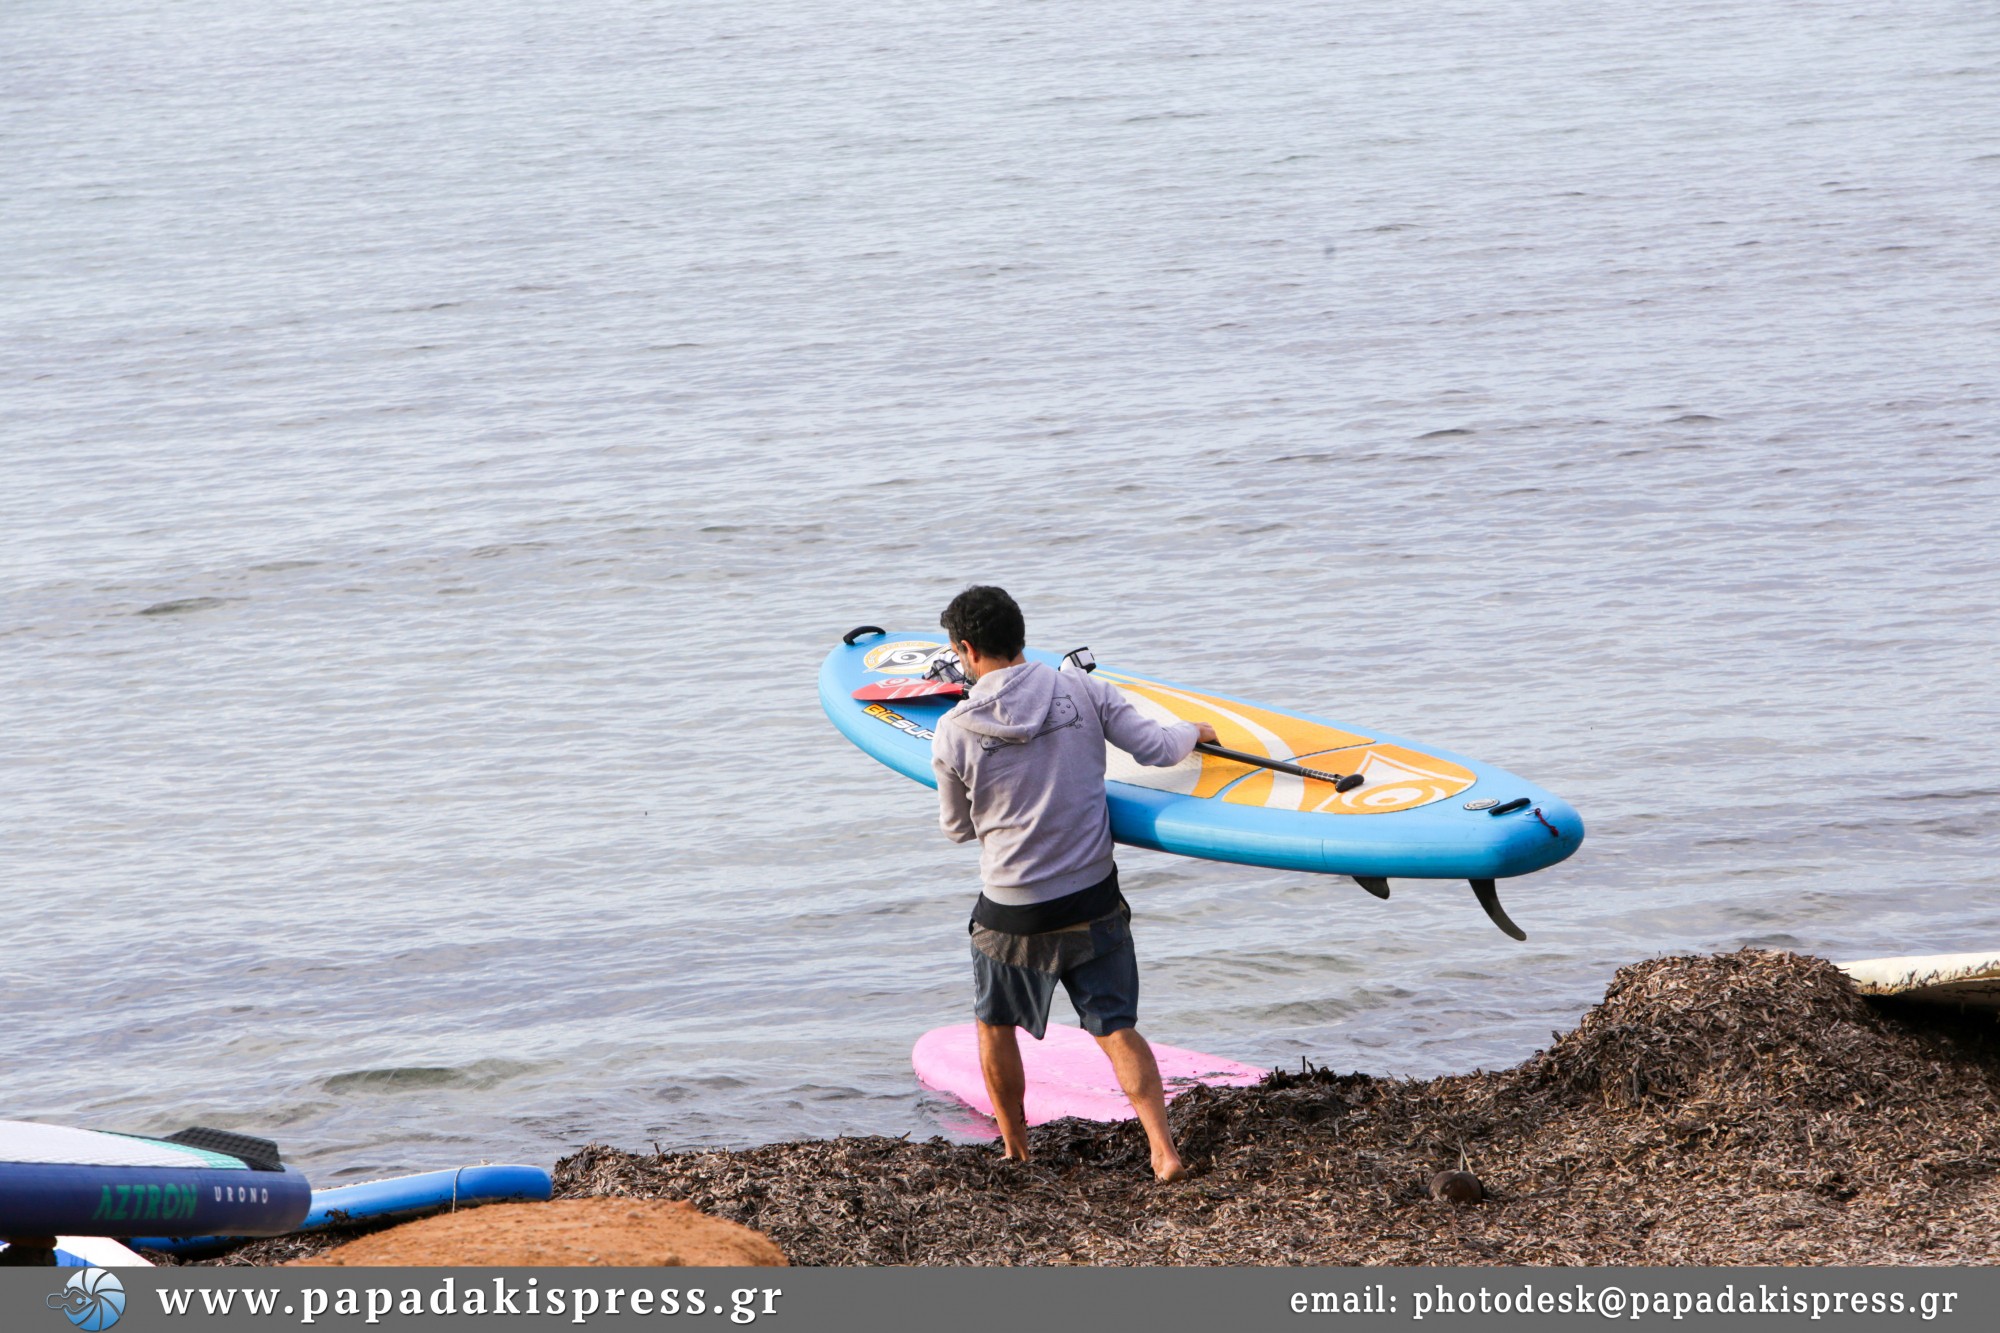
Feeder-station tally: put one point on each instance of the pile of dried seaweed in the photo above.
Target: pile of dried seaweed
(1746, 1108)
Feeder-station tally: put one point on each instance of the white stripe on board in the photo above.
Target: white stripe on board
(59, 1145)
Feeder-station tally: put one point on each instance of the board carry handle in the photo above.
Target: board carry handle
(1346, 782)
(859, 630)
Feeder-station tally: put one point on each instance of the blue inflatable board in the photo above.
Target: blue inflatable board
(395, 1200)
(55, 1181)
(1419, 812)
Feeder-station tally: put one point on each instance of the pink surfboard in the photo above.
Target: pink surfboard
(1068, 1074)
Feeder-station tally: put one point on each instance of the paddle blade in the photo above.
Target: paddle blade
(885, 691)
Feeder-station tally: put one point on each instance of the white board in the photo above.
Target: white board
(32, 1143)
(1944, 978)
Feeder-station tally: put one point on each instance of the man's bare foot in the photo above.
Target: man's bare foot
(1169, 1169)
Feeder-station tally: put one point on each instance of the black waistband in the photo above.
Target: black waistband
(1100, 899)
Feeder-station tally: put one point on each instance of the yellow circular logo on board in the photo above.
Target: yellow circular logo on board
(911, 657)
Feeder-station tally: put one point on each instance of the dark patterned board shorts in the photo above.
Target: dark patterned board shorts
(1014, 976)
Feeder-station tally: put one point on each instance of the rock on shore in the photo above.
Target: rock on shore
(606, 1232)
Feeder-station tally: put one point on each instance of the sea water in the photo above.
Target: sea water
(438, 443)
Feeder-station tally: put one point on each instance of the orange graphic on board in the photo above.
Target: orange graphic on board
(1238, 726)
(1395, 776)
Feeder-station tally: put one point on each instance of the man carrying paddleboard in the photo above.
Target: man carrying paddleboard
(1020, 766)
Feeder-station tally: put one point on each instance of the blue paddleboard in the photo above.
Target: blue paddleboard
(394, 1200)
(1419, 812)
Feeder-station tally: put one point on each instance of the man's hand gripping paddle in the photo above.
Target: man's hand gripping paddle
(1082, 658)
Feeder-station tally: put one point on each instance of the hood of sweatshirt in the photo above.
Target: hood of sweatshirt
(1011, 705)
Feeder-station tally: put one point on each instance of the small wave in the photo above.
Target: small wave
(181, 606)
(1970, 794)
(393, 1080)
(410, 1078)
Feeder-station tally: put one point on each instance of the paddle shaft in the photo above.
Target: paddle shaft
(1341, 783)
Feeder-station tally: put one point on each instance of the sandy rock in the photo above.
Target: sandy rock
(600, 1232)
(1457, 1186)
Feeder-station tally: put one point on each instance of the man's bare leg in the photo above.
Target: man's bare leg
(1139, 1074)
(1007, 1084)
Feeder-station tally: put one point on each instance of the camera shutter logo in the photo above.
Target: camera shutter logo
(907, 657)
(92, 1298)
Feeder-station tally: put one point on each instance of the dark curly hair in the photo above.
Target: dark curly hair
(988, 619)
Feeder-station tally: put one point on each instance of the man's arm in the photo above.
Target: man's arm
(954, 801)
(1136, 734)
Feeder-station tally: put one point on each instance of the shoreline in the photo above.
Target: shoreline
(1749, 1108)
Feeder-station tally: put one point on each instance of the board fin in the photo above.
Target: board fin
(1489, 898)
(1375, 884)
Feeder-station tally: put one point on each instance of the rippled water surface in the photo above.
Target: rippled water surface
(438, 443)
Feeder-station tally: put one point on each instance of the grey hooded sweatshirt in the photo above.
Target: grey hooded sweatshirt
(1020, 766)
